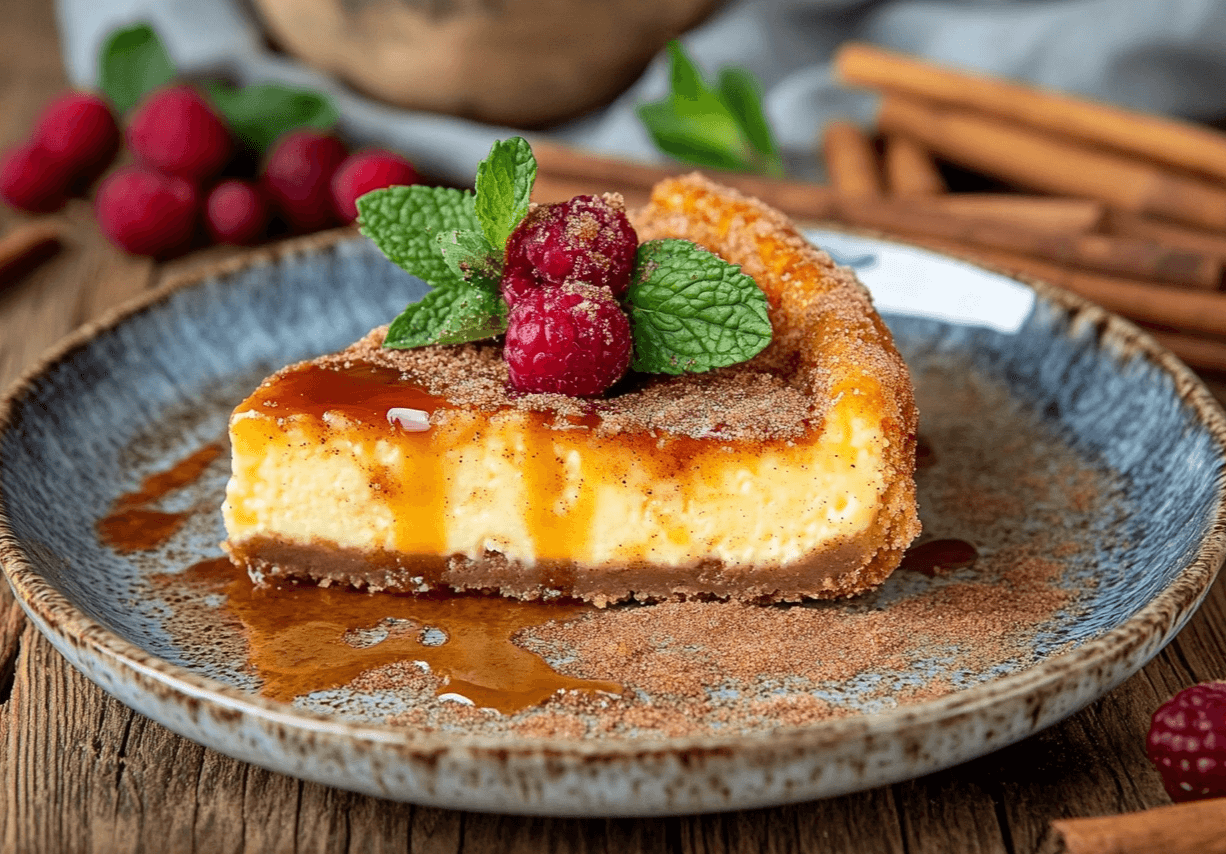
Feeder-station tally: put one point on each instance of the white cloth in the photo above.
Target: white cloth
(1163, 56)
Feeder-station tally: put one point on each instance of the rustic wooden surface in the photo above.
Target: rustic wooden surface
(81, 772)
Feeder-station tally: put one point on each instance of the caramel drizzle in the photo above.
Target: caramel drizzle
(301, 638)
(132, 527)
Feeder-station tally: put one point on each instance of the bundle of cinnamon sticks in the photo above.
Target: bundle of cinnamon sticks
(1127, 209)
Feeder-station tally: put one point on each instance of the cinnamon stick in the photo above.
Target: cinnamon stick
(1170, 234)
(910, 169)
(1184, 309)
(1121, 256)
(1197, 827)
(851, 162)
(26, 245)
(1201, 353)
(1051, 164)
(1039, 213)
(1169, 141)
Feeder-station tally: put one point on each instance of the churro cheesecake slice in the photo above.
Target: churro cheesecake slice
(723, 414)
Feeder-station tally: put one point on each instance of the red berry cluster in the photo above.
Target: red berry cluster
(1187, 742)
(187, 168)
(566, 266)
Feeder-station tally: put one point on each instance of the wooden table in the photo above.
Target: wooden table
(79, 771)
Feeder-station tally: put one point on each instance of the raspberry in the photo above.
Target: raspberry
(79, 130)
(573, 339)
(298, 175)
(588, 239)
(366, 171)
(174, 130)
(1187, 742)
(146, 212)
(236, 212)
(33, 180)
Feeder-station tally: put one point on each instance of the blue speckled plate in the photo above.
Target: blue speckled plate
(1007, 374)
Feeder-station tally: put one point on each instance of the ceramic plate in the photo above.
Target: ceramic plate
(1081, 461)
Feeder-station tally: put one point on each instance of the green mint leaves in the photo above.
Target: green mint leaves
(131, 64)
(689, 309)
(455, 242)
(259, 114)
(449, 315)
(722, 127)
(692, 311)
(504, 183)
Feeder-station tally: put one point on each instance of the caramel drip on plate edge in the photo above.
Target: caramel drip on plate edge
(132, 527)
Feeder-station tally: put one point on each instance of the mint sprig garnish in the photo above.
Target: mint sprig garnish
(689, 310)
(455, 242)
(721, 126)
(404, 221)
(692, 311)
(504, 185)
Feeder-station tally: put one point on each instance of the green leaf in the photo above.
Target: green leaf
(504, 184)
(471, 258)
(403, 222)
(739, 92)
(450, 315)
(133, 62)
(684, 75)
(692, 311)
(721, 128)
(704, 141)
(259, 114)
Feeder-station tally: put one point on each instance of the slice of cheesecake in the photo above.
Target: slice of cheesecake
(786, 477)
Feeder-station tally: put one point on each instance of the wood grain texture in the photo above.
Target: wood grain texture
(81, 772)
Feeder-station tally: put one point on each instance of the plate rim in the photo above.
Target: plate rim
(1154, 625)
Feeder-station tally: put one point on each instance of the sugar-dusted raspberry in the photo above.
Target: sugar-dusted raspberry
(1187, 741)
(147, 212)
(588, 239)
(366, 171)
(573, 339)
(80, 131)
(236, 212)
(33, 180)
(174, 130)
(298, 178)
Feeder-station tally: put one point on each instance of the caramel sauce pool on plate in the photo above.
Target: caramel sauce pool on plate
(304, 638)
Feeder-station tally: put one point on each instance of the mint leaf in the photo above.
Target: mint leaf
(722, 128)
(133, 62)
(684, 76)
(701, 139)
(450, 315)
(403, 222)
(690, 310)
(259, 114)
(471, 258)
(739, 91)
(504, 183)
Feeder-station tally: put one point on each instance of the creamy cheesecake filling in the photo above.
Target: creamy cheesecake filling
(510, 483)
